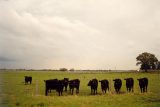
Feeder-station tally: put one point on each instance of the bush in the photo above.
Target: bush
(63, 69)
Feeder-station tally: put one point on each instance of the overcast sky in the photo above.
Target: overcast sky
(80, 34)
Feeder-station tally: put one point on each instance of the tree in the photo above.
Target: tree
(63, 69)
(72, 69)
(147, 61)
(158, 65)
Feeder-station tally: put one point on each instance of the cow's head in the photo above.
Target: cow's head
(89, 83)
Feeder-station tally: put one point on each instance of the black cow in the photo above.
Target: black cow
(60, 86)
(104, 85)
(75, 83)
(66, 80)
(54, 84)
(94, 84)
(28, 79)
(143, 84)
(117, 85)
(129, 84)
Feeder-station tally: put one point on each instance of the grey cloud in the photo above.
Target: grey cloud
(5, 59)
(80, 34)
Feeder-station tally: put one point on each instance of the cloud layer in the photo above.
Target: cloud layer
(81, 34)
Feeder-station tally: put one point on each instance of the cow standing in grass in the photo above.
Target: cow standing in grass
(60, 86)
(104, 85)
(93, 84)
(66, 80)
(143, 84)
(117, 85)
(28, 79)
(54, 84)
(75, 83)
(129, 84)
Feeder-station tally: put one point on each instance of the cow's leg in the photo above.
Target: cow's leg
(91, 91)
(65, 88)
(26, 82)
(116, 90)
(108, 88)
(146, 88)
(71, 91)
(141, 90)
(59, 93)
(62, 92)
(77, 90)
(96, 90)
(102, 91)
(49, 90)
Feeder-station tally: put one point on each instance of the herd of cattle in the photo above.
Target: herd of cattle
(59, 85)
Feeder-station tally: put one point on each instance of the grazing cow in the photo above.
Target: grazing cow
(143, 84)
(75, 83)
(66, 80)
(94, 84)
(28, 79)
(54, 84)
(117, 85)
(104, 85)
(129, 84)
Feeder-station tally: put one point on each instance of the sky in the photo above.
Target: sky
(79, 34)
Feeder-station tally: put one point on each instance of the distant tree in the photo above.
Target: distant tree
(63, 69)
(147, 61)
(72, 69)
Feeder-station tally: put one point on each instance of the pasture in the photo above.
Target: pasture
(13, 92)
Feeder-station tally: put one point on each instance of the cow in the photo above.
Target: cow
(104, 85)
(117, 85)
(75, 83)
(60, 86)
(143, 84)
(66, 80)
(54, 84)
(93, 84)
(129, 84)
(28, 79)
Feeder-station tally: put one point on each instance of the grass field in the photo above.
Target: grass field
(14, 93)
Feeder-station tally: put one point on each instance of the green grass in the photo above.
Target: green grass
(14, 93)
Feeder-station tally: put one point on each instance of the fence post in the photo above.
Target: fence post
(36, 87)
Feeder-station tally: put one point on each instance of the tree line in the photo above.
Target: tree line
(148, 61)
